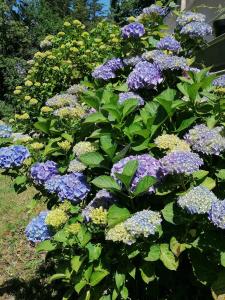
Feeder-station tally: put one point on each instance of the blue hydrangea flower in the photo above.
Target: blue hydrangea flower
(205, 140)
(5, 131)
(220, 81)
(181, 162)
(169, 43)
(37, 230)
(188, 17)
(71, 186)
(196, 29)
(155, 10)
(144, 75)
(13, 156)
(147, 165)
(133, 30)
(132, 61)
(41, 172)
(143, 223)
(102, 199)
(108, 69)
(217, 213)
(198, 200)
(130, 95)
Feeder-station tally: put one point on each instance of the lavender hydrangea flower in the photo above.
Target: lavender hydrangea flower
(205, 140)
(5, 131)
(143, 223)
(188, 17)
(71, 186)
(155, 9)
(132, 61)
(220, 81)
(198, 200)
(62, 100)
(37, 230)
(196, 29)
(181, 162)
(130, 95)
(147, 165)
(102, 199)
(217, 213)
(169, 43)
(144, 75)
(133, 30)
(107, 70)
(41, 172)
(13, 156)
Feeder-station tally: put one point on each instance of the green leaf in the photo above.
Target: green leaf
(57, 276)
(124, 293)
(129, 106)
(88, 272)
(107, 145)
(96, 118)
(91, 99)
(91, 159)
(167, 258)
(43, 125)
(97, 276)
(80, 284)
(154, 253)
(120, 280)
(221, 174)
(83, 236)
(94, 251)
(106, 182)
(45, 246)
(147, 272)
(76, 262)
(117, 215)
(176, 247)
(128, 173)
(222, 259)
(200, 174)
(218, 286)
(68, 137)
(20, 180)
(168, 212)
(144, 184)
(209, 183)
(186, 123)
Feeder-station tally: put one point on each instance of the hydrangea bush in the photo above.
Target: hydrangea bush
(131, 165)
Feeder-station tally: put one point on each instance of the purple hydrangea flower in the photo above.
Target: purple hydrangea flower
(198, 200)
(132, 61)
(144, 75)
(169, 43)
(102, 199)
(147, 165)
(133, 30)
(71, 186)
(107, 70)
(181, 162)
(37, 231)
(5, 131)
(196, 29)
(13, 156)
(217, 213)
(41, 172)
(130, 95)
(143, 223)
(205, 140)
(220, 81)
(155, 9)
(188, 17)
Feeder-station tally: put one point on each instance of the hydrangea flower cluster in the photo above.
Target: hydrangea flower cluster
(171, 142)
(102, 199)
(198, 200)
(181, 162)
(41, 172)
(13, 156)
(108, 70)
(188, 17)
(71, 186)
(119, 233)
(220, 81)
(56, 218)
(99, 216)
(143, 223)
(205, 140)
(76, 166)
(132, 61)
(155, 10)
(73, 228)
(62, 100)
(130, 95)
(133, 30)
(169, 43)
(5, 131)
(217, 213)
(196, 29)
(37, 230)
(20, 137)
(76, 89)
(147, 165)
(83, 147)
(70, 112)
(144, 75)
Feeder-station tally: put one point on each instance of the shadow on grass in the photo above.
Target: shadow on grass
(36, 288)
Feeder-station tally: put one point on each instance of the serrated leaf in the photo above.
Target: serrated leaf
(97, 276)
(128, 173)
(76, 262)
(92, 159)
(96, 118)
(119, 279)
(186, 123)
(106, 182)
(168, 258)
(117, 215)
(144, 184)
(221, 174)
(168, 212)
(129, 106)
(154, 253)
(107, 145)
(94, 251)
(45, 246)
(209, 183)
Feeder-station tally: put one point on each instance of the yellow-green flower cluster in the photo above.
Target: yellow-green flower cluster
(37, 146)
(70, 112)
(83, 147)
(56, 218)
(119, 234)
(99, 216)
(73, 228)
(171, 142)
(65, 206)
(23, 116)
(64, 145)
